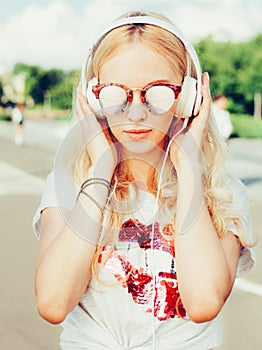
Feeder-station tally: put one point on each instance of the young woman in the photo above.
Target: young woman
(141, 230)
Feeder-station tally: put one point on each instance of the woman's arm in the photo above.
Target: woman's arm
(206, 265)
(68, 240)
(67, 246)
(62, 268)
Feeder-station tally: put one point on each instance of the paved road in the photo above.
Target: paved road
(22, 173)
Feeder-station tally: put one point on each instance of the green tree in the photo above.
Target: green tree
(235, 70)
(61, 94)
(1, 90)
(250, 79)
(33, 87)
(39, 81)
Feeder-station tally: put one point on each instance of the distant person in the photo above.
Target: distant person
(222, 116)
(18, 120)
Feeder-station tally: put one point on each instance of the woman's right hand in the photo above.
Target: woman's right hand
(100, 145)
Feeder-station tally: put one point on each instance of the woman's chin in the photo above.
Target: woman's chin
(138, 146)
(144, 149)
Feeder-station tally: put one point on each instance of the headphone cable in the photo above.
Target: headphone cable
(153, 227)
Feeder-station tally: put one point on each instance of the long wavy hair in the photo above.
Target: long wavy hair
(217, 182)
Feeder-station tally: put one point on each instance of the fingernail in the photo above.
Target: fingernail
(207, 75)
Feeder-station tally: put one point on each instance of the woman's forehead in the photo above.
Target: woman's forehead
(135, 61)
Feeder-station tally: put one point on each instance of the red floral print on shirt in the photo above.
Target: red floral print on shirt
(135, 231)
(139, 283)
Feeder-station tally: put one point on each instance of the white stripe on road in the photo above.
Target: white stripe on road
(17, 181)
(248, 287)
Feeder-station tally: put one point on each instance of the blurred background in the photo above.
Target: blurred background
(43, 44)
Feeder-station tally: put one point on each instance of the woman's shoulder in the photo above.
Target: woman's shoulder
(58, 192)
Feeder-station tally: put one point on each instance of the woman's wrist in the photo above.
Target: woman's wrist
(190, 180)
(190, 195)
(91, 204)
(189, 166)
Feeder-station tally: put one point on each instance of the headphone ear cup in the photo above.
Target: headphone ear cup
(186, 102)
(91, 98)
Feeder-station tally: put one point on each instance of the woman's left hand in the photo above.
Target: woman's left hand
(187, 146)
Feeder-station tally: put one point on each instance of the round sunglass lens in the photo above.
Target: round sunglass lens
(112, 99)
(159, 99)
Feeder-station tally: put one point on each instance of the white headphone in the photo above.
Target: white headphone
(190, 96)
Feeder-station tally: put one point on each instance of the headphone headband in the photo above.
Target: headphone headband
(161, 24)
(144, 20)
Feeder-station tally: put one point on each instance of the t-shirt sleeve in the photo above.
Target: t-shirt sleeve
(247, 260)
(51, 197)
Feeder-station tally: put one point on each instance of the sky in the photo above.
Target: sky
(58, 33)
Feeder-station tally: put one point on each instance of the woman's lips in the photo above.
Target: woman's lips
(138, 134)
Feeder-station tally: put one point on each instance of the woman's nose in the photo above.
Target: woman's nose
(136, 110)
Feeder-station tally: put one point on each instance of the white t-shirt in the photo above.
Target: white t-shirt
(17, 115)
(117, 315)
(223, 121)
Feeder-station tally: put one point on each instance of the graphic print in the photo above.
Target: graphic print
(140, 283)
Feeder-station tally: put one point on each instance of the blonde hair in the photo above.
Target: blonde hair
(218, 189)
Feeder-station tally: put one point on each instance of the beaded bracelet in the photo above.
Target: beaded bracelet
(91, 181)
(92, 199)
(96, 180)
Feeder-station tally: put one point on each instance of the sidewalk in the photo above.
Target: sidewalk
(42, 133)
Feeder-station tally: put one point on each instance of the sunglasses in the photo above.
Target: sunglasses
(157, 97)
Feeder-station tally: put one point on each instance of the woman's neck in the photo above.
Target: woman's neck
(141, 164)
